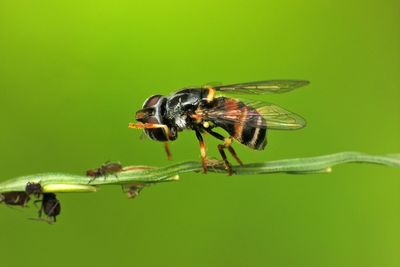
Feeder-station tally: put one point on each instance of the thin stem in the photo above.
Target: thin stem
(59, 182)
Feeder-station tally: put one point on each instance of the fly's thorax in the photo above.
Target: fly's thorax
(181, 105)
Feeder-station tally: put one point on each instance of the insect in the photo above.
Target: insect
(201, 109)
(50, 206)
(15, 198)
(133, 190)
(105, 169)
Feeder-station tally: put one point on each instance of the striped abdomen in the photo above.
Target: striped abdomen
(242, 122)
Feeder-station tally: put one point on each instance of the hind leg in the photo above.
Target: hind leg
(228, 166)
(221, 148)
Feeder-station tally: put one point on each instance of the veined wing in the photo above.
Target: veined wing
(277, 117)
(255, 114)
(260, 87)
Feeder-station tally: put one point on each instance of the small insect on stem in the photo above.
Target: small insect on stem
(106, 169)
(133, 190)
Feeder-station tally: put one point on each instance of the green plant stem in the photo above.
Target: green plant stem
(59, 182)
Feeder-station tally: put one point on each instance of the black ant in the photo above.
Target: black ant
(50, 204)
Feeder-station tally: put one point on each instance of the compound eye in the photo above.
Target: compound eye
(144, 114)
(152, 101)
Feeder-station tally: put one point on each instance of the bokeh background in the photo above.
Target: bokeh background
(73, 73)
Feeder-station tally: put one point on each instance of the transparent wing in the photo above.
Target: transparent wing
(260, 87)
(257, 114)
(277, 117)
(212, 84)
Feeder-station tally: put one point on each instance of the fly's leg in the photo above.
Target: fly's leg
(167, 151)
(202, 151)
(228, 165)
(233, 153)
(155, 126)
(227, 145)
(140, 125)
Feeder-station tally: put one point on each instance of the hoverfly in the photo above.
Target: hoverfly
(201, 109)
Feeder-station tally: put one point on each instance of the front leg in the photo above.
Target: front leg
(140, 125)
(202, 151)
(167, 150)
(155, 126)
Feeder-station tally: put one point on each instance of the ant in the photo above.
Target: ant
(50, 204)
(105, 170)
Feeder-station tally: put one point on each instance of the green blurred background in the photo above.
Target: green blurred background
(73, 73)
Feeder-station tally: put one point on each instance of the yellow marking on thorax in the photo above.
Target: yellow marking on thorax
(198, 115)
(211, 94)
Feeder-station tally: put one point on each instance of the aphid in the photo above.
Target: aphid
(133, 190)
(50, 206)
(33, 188)
(15, 198)
(107, 168)
(200, 109)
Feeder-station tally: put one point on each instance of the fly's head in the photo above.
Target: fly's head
(152, 114)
